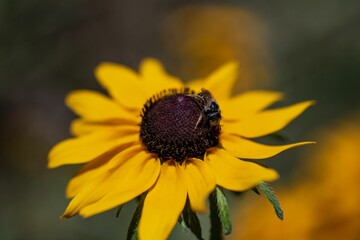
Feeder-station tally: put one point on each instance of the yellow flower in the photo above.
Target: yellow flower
(155, 136)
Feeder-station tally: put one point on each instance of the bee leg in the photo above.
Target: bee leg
(199, 120)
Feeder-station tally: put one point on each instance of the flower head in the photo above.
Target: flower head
(169, 143)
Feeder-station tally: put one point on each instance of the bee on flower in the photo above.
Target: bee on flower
(168, 144)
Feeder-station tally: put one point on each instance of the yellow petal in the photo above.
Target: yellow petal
(266, 122)
(132, 178)
(248, 103)
(156, 78)
(235, 174)
(200, 182)
(86, 148)
(243, 148)
(99, 166)
(164, 203)
(94, 106)
(123, 85)
(81, 127)
(92, 170)
(88, 194)
(220, 82)
(98, 186)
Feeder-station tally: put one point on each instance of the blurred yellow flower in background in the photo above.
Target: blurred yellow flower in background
(325, 204)
(202, 37)
(158, 140)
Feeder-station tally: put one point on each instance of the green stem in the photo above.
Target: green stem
(216, 228)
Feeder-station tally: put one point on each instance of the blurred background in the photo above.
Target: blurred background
(307, 49)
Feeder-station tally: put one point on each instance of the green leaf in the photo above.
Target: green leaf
(191, 221)
(132, 231)
(224, 213)
(269, 193)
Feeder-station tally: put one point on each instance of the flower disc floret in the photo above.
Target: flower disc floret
(170, 127)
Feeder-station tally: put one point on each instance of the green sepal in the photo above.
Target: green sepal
(256, 190)
(191, 221)
(134, 236)
(133, 227)
(224, 212)
(269, 193)
(182, 224)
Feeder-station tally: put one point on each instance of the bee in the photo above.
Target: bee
(210, 109)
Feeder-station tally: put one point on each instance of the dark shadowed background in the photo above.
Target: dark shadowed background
(307, 49)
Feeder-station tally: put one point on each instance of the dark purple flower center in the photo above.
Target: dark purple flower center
(171, 128)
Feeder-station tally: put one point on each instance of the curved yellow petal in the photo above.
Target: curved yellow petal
(156, 78)
(131, 178)
(91, 170)
(248, 103)
(90, 193)
(266, 122)
(80, 127)
(123, 85)
(235, 174)
(164, 203)
(220, 82)
(94, 106)
(200, 183)
(99, 186)
(86, 148)
(243, 148)
(99, 166)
